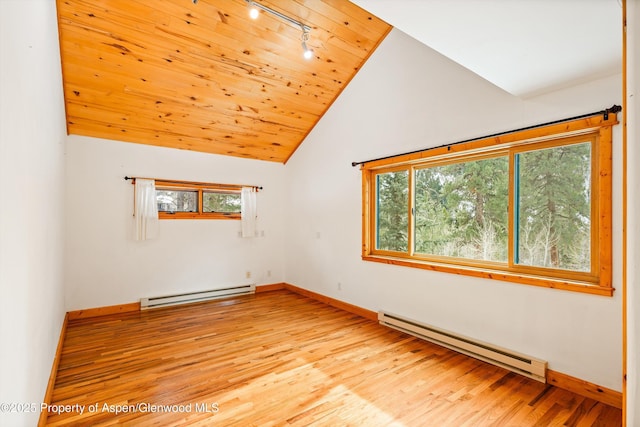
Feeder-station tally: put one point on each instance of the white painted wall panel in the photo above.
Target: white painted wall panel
(105, 266)
(409, 97)
(32, 134)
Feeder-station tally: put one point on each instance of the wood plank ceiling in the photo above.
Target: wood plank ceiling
(205, 76)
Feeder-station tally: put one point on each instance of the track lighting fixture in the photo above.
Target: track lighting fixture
(254, 12)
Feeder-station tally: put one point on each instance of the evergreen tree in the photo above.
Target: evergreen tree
(554, 207)
(461, 209)
(221, 202)
(432, 233)
(393, 211)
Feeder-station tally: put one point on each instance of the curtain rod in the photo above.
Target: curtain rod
(613, 110)
(127, 178)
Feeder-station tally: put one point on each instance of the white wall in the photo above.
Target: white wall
(105, 266)
(409, 97)
(31, 202)
(633, 207)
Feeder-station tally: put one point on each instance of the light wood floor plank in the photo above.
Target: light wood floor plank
(281, 359)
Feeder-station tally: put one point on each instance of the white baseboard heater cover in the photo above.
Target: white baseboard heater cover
(185, 298)
(516, 362)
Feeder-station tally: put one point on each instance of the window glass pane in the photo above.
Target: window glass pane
(177, 201)
(554, 207)
(221, 202)
(461, 210)
(392, 213)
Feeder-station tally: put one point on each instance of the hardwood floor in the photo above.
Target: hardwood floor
(280, 359)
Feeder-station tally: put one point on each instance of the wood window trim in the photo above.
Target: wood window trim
(196, 215)
(599, 282)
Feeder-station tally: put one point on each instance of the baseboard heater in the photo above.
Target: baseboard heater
(516, 362)
(185, 298)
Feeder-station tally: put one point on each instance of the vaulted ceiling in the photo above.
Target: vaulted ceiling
(525, 47)
(204, 76)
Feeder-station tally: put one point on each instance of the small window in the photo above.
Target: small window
(221, 202)
(173, 201)
(194, 200)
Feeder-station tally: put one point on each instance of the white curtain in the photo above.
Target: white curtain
(249, 211)
(145, 210)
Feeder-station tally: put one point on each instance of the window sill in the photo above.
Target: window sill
(526, 279)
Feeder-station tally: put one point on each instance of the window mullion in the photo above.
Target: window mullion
(513, 210)
(411, 206)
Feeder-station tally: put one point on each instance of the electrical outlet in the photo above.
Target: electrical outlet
(248, 274)
(268, 273)
(339, 286)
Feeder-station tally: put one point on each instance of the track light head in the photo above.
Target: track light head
(306, 52)
(254, 12)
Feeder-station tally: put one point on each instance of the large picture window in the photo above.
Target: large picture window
(531, 207)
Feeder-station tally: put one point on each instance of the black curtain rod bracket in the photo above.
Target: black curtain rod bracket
(614, 109)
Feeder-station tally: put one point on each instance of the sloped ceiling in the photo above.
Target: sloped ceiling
(203, 76)
(206, 77)
(525, 47)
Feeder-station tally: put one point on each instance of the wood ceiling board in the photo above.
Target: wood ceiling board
(207, 111)
(150, 101)
(174, 57)
(207, 31)
(270, 151)
(206, 77)
(234, 126)
(237, 123)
